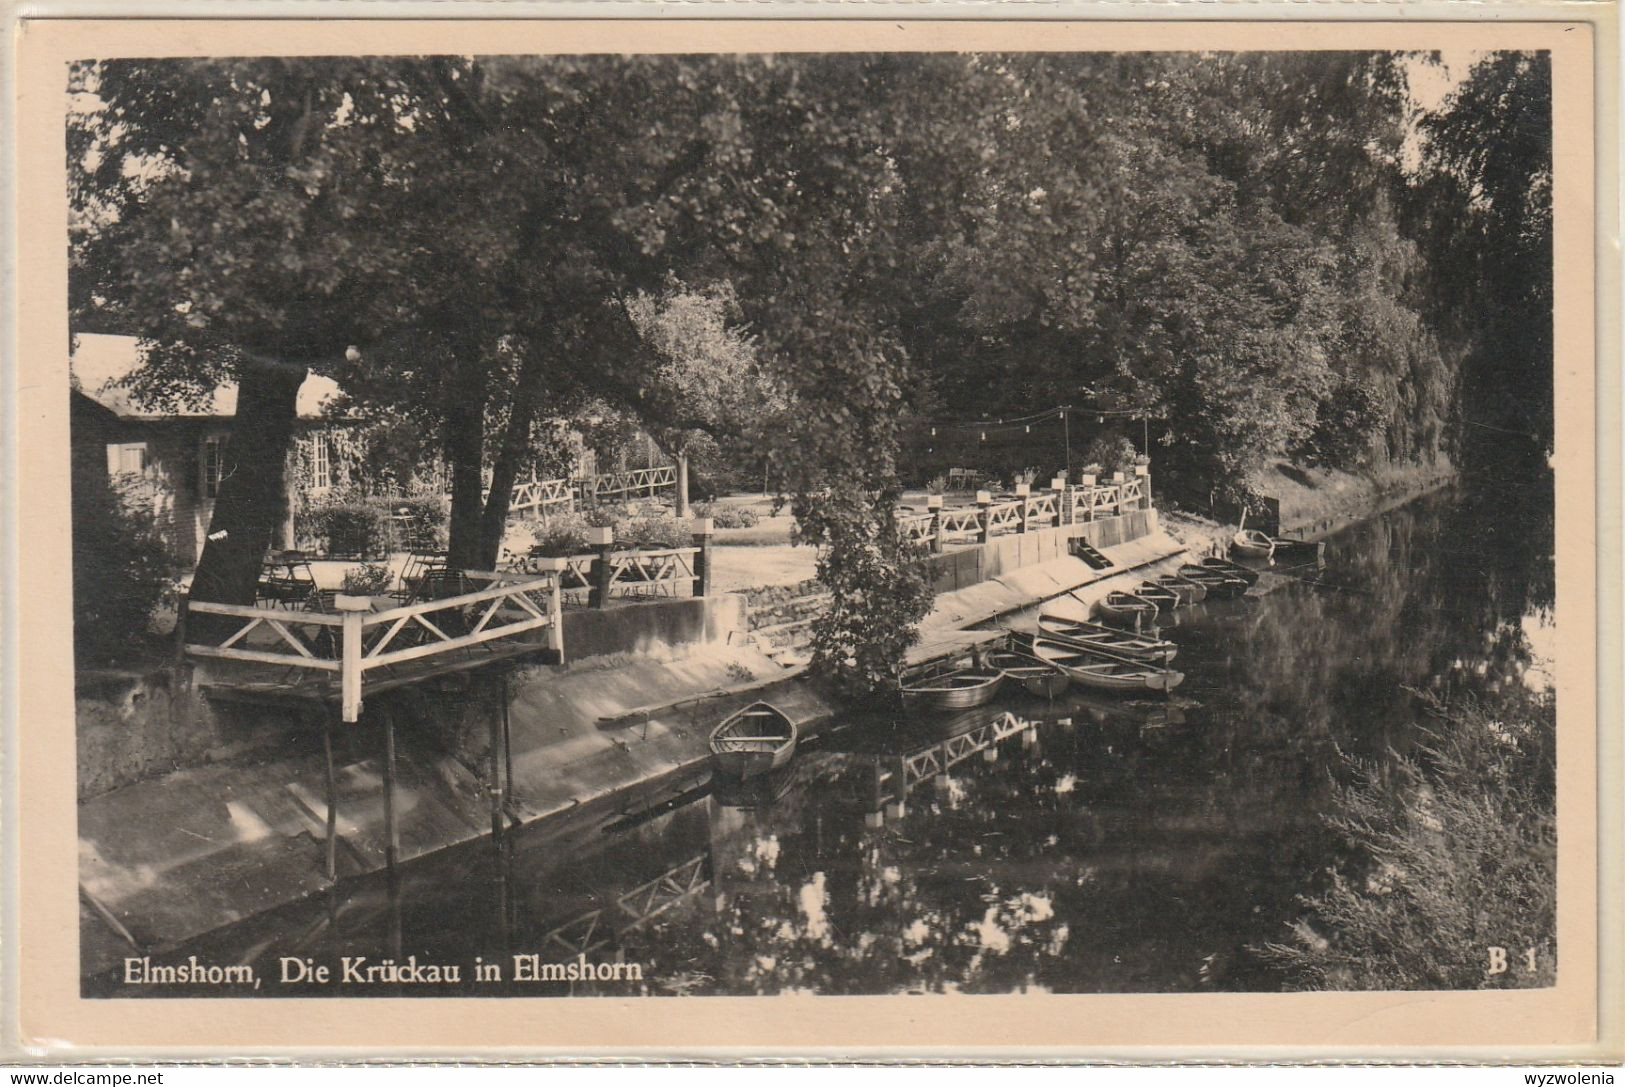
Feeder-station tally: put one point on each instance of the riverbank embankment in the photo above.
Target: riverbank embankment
(165, 860)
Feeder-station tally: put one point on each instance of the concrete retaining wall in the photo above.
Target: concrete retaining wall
(659, 628)
(1004, 554)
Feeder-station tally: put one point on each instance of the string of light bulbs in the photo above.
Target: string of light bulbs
(1009, 423)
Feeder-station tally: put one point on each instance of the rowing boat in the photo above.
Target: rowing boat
(1103, 673)
(951, 689)
(1037, 677)
(753, 741)
(1109, 639)
(1165, 599)
(1234, 569)
(1298, 550)
(1188, 591)
(1252, 543)
(1127, 608)
(1221, 585)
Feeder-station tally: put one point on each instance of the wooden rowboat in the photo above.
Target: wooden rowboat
(1188, 591)
(1124, 607)
(951, 689)
(1037, 677)
(1234, 569)
(1252, 543)
(1298, 550)
(753, 741)
(1109, 639)
(1104, 673)
(1165, 599)
(1221, 585)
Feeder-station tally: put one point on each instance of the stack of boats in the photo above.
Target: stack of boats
(1122, 653)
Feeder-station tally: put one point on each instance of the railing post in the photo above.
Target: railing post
(555, 603)
(1087, 489)
(1117, 481)
(603, 566)
(353, 608)
(1143, 471)
(702, 556)
(1063, 515)
(1024, 492)
(682, 486)
(984, 516)
(934, 504)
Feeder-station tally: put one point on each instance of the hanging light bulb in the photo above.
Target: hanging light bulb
(933, 432)
(1027, 429)
(1100, 419)
(984, 435)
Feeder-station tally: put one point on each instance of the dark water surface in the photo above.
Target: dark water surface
(1113, 847)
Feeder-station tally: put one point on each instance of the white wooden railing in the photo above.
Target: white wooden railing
(359, 641)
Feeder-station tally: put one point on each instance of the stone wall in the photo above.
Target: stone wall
(130, 726)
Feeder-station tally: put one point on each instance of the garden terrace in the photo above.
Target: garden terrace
(372, 643)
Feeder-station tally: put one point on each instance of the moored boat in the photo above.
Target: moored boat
(1188, 591)
(1125, 607)
(1234, 569)
(1164, 599)
(950, 688)
(753, 741)
(1102, 672)
(1298, 550)
(1089, 635)
(1252, 543)
(1035, 676)
(1221, 585)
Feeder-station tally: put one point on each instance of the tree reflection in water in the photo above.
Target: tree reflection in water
(1136, 849)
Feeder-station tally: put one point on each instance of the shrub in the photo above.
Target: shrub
(654, 531)
(354, 526)
(727, 516)
(121, 571)
(368, 579)
(559, 536)
(1453, 851)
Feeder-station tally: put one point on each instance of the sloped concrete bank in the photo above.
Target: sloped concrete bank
(166, 860)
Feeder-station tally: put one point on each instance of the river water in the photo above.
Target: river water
(1114, 846)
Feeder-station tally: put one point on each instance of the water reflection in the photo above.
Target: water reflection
(1111, 847)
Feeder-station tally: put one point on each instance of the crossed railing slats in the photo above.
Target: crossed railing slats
(357, 641)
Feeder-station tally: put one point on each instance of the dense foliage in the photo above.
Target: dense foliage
(1453, 852)
(1252, 256)
(121, 569)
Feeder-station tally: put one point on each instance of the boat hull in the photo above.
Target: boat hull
(942, 699)
(1234, 569)
(1188, 591)
(1104, 639)
(1104, 675)
(756, 740)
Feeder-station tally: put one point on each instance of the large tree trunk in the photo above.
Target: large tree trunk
(253, 498)
(465, 454)
(511, 457)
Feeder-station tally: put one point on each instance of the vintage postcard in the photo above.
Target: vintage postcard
(884, 538)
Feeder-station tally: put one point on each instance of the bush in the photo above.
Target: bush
(655, 531)
(559, 536)
(727, 516)
(121, 571)
(357, 526)
(368, 579)
(1452, 852)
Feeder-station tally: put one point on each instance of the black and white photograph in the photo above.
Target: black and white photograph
(813, 523)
